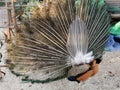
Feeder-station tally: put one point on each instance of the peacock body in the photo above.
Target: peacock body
(61, 35)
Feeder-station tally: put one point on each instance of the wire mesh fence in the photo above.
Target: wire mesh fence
(6, 14)
(114, 8)
(10, 13)
(3, 17)
(114, 5)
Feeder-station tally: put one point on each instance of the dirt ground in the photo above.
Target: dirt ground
(108, 77)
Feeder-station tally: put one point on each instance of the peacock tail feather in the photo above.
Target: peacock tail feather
(60, 35)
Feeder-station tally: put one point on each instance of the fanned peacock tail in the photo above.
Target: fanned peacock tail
(61, 34)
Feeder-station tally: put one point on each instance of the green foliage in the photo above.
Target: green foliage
(2, 4)
(115, 29)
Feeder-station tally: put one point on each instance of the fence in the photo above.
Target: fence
(114, 8)
(6, 16)
(115, 3)
(9, 13)
(3, 17)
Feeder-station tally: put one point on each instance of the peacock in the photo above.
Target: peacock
(63, 38)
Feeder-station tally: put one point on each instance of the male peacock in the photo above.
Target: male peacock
(62, 37)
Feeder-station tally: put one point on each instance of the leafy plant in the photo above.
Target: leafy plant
(2, 4)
